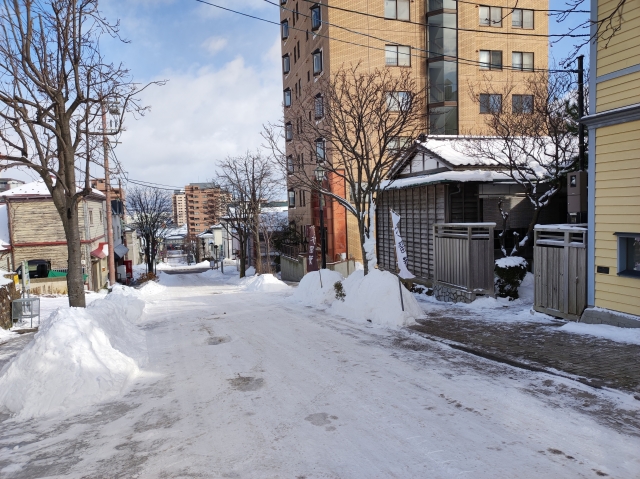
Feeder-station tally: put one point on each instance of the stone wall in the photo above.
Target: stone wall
(450, 294)
(7, 294)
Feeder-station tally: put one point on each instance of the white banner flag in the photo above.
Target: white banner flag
(401, 250)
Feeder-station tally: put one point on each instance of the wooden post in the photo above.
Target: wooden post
(107, 192)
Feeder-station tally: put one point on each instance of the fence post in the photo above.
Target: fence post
(468, 265)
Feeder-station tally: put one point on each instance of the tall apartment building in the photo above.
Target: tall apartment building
(449, 47)
(204, 206)
(179, 207)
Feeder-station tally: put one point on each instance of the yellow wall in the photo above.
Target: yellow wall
(621, 50)
(618, 92)
(617, 208)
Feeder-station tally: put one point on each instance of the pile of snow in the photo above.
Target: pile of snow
(309, 292)
(5, 335)
(511, 262)
(151, 288)
(604, 331)
(266, 283)
(374, 297)
(526, 289)
(4, 280)
(250, 271)
(79, 357)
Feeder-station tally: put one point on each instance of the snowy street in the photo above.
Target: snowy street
(250, 384)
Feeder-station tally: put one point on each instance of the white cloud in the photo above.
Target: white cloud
(214, 44)
(200, 117)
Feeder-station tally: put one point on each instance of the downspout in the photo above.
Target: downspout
(449, 202)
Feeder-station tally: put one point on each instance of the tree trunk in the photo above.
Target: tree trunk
(243, 262)
(147, 252)
(75, 280)
(256, 243)
(365, 262)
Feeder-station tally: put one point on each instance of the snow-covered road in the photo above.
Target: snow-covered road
(251, 385)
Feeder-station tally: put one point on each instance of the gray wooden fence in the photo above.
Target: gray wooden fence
(560, 266)
(463, 255)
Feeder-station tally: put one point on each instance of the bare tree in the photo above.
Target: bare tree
(533, 139)
(249, 181)
(54, 84)
(151, 211)
(272, 222)
(356, 124)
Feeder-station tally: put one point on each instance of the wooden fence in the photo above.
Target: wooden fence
(560, 266)
(463, 255)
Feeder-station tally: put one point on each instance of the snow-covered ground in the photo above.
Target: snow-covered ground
(244, 381)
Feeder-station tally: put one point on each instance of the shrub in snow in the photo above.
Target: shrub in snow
(510, 272)
(80, 356)
(340, 294)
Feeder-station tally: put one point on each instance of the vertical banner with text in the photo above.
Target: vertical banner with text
(312, 260)
(401, 250)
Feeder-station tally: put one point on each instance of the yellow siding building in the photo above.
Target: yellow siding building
(614, 167)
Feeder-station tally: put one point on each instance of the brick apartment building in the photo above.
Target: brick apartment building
(204, 206)
(179, 207)
(463, 45)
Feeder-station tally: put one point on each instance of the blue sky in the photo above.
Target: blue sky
(224, 82)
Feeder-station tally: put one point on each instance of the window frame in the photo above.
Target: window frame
(490, 18)
(488, 104)
(522, 104)
(623, 251)
(288, 131)
(389, 48)
(317, 54)
(490, 65)
(321, 146)
(286, 60)
(395, 10)
(292, 198)
(522, 20)
(318, 100)
(284, 28)
(290, 165)
(286, 94)
(395, 103)
(401, 143)
(313, 9)
(522, 68)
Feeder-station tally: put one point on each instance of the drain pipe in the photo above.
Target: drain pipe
(450, 195)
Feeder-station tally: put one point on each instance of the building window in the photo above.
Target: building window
(490, 16)
(90, 217)
(435, 5)
(288, 131)
(287, 97)
(398, 143)
(320, 150)
(286, 64)
(443, 120)
(522, 103)
(442, 35)
(292, 199)
(398, 100)
(290, 165)
(317, 62)
(396, 9)
(490, 60)
(101, 220)
(285, 29)
(397, 56)
(521, 18)
(318, 106)
(316, 17)
(490, 103)
(282, 2)
(522, 61)
(629, 254)
(443, 82)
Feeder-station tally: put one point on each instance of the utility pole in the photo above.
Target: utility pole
(581, 149)
(107, 186)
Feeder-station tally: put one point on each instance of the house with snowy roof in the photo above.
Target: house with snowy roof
(30, 228)
(438, 181)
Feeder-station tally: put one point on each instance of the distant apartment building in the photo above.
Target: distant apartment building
(179, 207)
(8, 183)
(449, 47)
(204, 204)
(117, 192)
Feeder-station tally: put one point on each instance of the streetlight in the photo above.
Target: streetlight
(319, 172)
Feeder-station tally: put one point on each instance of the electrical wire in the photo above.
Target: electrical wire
(464, 61)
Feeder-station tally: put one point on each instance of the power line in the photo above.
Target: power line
(458, 59)
(493, 32)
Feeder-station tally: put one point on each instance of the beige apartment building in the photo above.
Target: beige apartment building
(179, 207)
(204, 206)
(450, 48)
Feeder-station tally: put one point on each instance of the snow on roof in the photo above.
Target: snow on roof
(482, 176)
(36, 188)
(452, 150)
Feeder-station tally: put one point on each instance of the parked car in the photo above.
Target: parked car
(38, 268)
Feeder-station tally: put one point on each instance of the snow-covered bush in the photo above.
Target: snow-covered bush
(510, 272)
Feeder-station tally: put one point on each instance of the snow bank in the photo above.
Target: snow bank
(78, 357)
(266, 283)
(151, 288)
(309, 291)
(604, 331)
